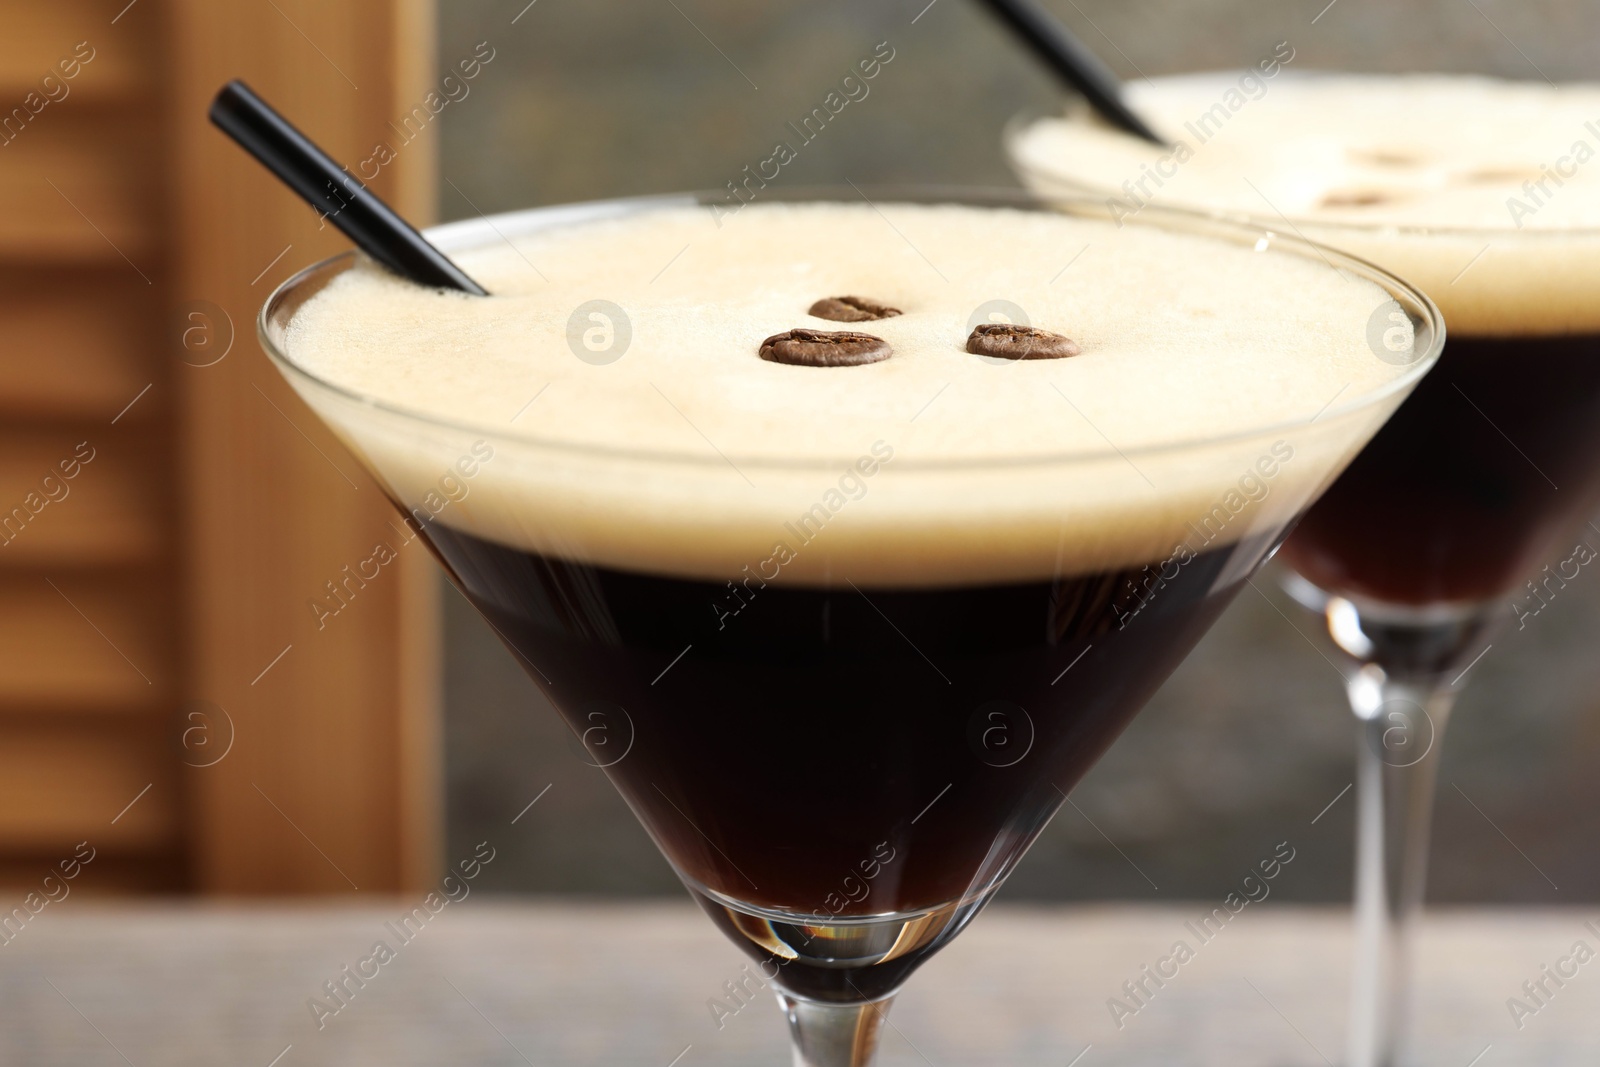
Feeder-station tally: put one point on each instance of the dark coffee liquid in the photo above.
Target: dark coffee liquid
(1461, 495)
(843, 752)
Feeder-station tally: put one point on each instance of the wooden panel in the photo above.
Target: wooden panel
(74, 345)
(88, 656)
(111, 874)
(71, 644)
(106, 513)
(87, 181)
(39, 36)
(333, 728)
(60, 784)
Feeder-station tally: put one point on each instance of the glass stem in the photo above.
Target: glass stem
(834, 1035)
(1400, 726)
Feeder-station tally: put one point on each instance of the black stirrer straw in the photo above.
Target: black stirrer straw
(1072, 62)
(333, 191)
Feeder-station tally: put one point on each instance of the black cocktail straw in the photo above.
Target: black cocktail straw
(333, 191)
(1072, 62)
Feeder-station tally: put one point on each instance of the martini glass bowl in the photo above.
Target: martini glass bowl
(844, 739)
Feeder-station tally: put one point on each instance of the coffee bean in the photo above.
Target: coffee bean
(1357, 198)
(1005, 340)
(818, 348)
(852, 309)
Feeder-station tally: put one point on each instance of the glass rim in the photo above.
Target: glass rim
(485, 229)
(1012, 131)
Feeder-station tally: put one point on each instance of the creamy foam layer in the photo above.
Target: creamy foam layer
(689, 454)
(1505, 174)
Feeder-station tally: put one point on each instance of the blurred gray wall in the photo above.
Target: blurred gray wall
(1250, 740)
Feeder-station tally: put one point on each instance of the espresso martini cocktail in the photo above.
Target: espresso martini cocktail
(1486, 194)
(848, 535)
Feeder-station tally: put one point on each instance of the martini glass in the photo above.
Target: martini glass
(843, 766)
(1432, 540)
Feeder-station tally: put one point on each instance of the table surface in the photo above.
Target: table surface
(547, 985)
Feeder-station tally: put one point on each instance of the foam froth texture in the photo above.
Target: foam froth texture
(1504, 176)
(685, 453)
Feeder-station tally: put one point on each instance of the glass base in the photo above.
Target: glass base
(836, 959)
(1407, 642)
